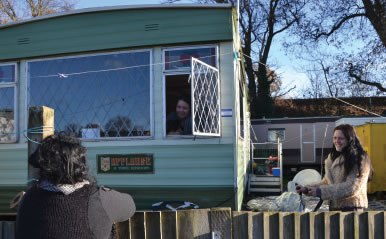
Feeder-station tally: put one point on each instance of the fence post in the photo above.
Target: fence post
(153, 225)
(193, 224)
(256, 222)
(137, 225)
(346, 224)
(379, 224)
(271, 225)
(168, 224)
(302, 225)
(221, 223)
(332, 224)
(240, 225)
(40, 126)
(287, 225)
(318, 225)
(123, 229)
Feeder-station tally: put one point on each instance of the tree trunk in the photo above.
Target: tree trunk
(264, 100)
(251, 82)
(376, 13)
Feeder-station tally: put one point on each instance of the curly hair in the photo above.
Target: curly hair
(353, 153)
(61, 159)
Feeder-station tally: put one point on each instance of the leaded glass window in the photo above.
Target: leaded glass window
(7, 103)
(95, 96)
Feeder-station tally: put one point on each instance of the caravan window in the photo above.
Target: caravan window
(194, 84)
(7, 103)
(95, 96)
(180, 59)
(274, 134)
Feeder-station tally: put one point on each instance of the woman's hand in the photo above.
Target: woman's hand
(311, 191)
(301, 189)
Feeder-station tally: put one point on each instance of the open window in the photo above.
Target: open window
(191, 82)
(8, 103)
(206, 99)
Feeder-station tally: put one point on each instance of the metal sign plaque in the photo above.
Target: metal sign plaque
(125, 163)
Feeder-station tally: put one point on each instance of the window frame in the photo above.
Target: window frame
(242, 102)
(13, 84)
(206, 134)
(151, 79)
(188, 47)
(182, 71)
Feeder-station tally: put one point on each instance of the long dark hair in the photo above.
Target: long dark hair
(353, 153)
(61, 159)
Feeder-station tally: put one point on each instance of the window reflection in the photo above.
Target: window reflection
(7, 73)
(7, 103)
(181, 59)
(95, 96)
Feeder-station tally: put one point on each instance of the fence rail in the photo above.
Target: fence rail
(222, 223)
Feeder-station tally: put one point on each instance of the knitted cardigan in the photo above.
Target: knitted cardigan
(53, 215)
(344, 191)
(88, 212)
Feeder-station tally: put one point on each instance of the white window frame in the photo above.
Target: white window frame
(150, 50)
(181, 71)
(187, 69)
(15, 101)
(196, 61)
(242, 105)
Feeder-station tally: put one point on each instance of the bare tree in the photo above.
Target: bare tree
(353, 35)
(13, 10)
(261, 21)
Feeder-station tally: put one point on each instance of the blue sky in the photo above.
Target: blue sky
(287, 68)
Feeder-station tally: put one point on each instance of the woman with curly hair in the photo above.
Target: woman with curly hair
(348, 169)
(65, 202)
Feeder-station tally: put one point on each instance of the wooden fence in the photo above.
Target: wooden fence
(222, 223)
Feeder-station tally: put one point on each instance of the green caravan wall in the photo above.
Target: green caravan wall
(13, 164)
(145, 196)
(200, 173)
(242, 163)
(175, 165)
(204, 197)
(7, 193)
(114, 29)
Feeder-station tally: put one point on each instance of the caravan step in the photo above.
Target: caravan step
(268, 190)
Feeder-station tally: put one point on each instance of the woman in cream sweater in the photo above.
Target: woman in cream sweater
(347, 168)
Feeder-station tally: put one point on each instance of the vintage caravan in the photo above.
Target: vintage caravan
(305, 141)
(112, 76)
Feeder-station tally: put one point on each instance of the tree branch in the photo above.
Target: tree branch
(286, 26)
(286, 92)
(338, 25)
(351, 73)
(8, 9)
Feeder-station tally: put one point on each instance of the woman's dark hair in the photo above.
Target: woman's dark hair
(353, 153)
(185, 99)
(61, 159)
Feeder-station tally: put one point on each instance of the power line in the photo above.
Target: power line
(66, 75)
(358, 107)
